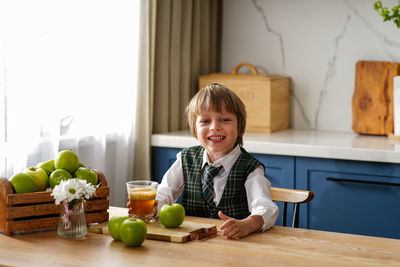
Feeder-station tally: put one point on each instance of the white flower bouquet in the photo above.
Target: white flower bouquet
(71, 192)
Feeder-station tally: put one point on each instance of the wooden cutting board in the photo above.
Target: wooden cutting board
(373, 97)
(186, 232)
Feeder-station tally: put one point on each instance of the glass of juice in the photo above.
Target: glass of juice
(142, 195)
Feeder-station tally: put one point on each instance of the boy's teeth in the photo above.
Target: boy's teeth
(216, 137)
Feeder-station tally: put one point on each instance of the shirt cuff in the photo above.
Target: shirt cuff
(269, 216)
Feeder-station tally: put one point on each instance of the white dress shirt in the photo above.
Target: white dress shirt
(257, 187)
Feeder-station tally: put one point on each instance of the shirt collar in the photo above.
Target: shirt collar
(226, 162)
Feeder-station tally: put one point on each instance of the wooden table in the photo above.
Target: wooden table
(279, 246)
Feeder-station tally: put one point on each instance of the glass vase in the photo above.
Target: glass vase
(72, 222)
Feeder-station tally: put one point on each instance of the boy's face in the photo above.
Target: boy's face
(217, 132)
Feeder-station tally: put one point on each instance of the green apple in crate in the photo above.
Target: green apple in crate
(22, 183)
(67, 160)
(39, 176)
(57, 176)
(48, 166)
(81, 165)
(87, 174)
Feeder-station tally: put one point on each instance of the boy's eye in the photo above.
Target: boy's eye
(226, 119)
(204, 121)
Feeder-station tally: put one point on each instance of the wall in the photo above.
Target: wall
(315, 42)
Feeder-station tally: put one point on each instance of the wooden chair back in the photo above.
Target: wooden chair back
(294, 196)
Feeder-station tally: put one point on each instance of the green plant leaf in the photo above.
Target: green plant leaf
(388, 15)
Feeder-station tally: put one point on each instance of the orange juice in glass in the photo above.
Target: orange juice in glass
(142, 195)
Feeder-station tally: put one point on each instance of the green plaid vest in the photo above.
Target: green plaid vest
(234, 200)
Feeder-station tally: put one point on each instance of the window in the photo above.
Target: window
(67, 69)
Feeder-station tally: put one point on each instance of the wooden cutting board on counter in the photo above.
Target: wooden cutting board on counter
(373, 97)
(156, 231)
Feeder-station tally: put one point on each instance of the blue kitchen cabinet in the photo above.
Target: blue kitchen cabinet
(163, 158)
(279, 170)
(350, 196)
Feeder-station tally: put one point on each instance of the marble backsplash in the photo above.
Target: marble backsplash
(314, 42)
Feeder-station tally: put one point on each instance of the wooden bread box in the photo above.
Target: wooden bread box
(38, 211)
(266, 97)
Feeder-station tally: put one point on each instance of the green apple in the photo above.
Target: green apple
(172, 215)
(81, 165)
(57, 176)
(133, 232)
(22, 183)
(114, 224)
(86, 174)
(48, 166)
(39, 176)
(67, 160)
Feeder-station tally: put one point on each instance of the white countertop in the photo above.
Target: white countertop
(303, 143)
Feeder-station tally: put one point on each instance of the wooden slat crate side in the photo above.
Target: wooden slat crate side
(97, 217)
(29, 198)
(33, 210)
(102, 177)
(34, 224)
(5, 189)
(102, 192)
(49, 209)
(50, 223)
(96, 205)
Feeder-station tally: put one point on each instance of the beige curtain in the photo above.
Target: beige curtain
(185, 44)
(141, 160)
(179, 41)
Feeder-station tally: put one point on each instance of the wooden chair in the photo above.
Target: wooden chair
(291, 196)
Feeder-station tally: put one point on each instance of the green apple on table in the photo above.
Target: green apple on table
(67, 160)
(48, 166)
(39, 176)
(57, 176)
(172, 215)
(133, 232)
(22, 183)
(114, 226)
(86, 174)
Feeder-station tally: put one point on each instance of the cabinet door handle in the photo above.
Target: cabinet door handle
(360, 181)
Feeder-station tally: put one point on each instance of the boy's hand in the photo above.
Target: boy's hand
(128, 205)
(235, 229)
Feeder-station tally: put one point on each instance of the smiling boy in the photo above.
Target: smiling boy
(219, 178)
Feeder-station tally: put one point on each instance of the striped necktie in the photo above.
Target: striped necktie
(208, 185)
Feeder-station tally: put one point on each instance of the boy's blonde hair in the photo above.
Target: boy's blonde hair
(217, 96)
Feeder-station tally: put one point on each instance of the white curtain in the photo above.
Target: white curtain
(68, 80)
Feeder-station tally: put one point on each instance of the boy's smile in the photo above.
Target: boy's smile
(217, 132)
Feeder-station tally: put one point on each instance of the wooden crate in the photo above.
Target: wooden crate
(38, 211)
(266, 97)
